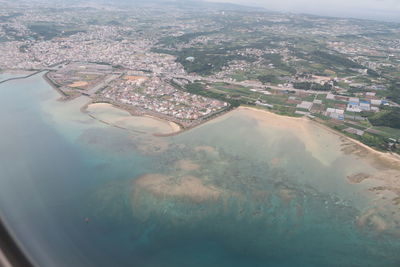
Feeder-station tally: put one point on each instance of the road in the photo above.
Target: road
(92, 91)
(246, 84)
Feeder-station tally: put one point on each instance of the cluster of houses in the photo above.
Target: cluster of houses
(356, 105)
(353, 105)
(153, 93)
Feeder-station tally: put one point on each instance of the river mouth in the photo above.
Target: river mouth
(246, 189)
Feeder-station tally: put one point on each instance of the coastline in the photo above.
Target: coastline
(174, 127)
(325, 145)
(178, 125)
(64, 96)
(386, 155)
(179, 128)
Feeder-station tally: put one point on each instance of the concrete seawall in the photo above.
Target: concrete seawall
(22, 77)
(54, 85)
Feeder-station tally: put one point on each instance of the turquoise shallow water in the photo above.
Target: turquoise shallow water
(245, 194)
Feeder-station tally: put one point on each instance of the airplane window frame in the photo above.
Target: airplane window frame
(10, 252)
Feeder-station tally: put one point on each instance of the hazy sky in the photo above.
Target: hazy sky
(380, 9)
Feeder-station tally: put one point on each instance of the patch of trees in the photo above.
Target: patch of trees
(45, 31)
(376, 141)
(278, 63)
(394, 92)
(388, 117)
(23, 48)
(269, 78)
(50, 31)
(353, 90)
(331, 59)
(184, 38)
(269, 42)
(312, 86)
(198, 89)
(373, 73)
(207, 62)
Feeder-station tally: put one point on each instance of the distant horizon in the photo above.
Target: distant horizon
(372, 10)
(379, 10)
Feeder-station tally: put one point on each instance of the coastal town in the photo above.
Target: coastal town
(136, 91)
(169, 133)
(190, 67)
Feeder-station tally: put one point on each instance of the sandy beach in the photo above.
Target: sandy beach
(301, 125)
(120, 118)
(322, 144)
(175, 127)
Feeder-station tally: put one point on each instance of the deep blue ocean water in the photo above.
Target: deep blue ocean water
(51, 180)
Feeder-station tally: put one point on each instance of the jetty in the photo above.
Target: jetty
(21, 77)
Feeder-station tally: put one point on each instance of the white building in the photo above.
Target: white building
(353, 108)
(334, 113)
(330, 96)
(365, 106)
(376, 102)
(354, 100)
(305, 105)
(334, 110)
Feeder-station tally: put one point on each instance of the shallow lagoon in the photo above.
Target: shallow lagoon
(247, 189)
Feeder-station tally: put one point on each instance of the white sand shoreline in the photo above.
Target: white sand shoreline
(121, 120)
(386, 155)
(281, 119)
